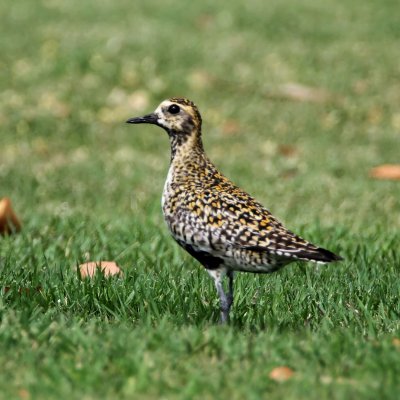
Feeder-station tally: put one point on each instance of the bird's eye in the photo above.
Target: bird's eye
(174, 109)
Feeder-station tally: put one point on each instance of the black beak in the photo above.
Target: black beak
(146, 119)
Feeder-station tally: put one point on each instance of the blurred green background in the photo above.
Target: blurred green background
(300, 99)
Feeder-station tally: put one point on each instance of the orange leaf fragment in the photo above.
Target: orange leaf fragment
(281, 374)
(386, 171)
(9, 222)
(107, 268)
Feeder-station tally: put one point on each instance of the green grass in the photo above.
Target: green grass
(88, 187)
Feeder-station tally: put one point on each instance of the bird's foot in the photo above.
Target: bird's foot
(225, 308)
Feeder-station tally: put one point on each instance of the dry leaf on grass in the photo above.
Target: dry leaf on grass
(107, 268)
(287, 150)
(386, 171)
(9, 222)
(281, 374)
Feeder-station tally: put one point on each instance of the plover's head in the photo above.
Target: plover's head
(178, 116)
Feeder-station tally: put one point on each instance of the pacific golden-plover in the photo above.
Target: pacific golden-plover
(216, 222)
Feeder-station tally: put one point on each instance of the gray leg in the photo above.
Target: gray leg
(230, 293)
(225, 301)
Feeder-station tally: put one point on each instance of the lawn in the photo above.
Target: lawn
(87, 186)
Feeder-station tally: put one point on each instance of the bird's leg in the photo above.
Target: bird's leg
(225, 301)
(230, 293)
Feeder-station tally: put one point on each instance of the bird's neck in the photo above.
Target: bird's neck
(185, 146)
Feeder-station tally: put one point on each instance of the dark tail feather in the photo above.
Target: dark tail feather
(319, 254)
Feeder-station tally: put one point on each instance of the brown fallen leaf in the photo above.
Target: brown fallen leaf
(386, 171)
(281, 374)
(9, 222)
(287, 150)
(107, 268)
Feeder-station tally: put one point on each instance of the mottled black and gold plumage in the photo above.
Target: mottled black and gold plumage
(218, 223)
